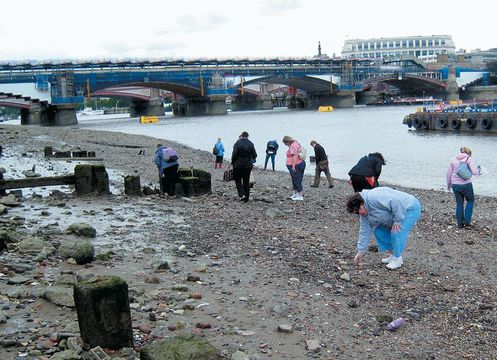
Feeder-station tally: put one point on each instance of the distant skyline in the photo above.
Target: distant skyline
(56, 29)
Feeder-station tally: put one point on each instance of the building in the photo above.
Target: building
(424, 47)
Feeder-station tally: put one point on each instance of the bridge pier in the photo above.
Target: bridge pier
(452, 90)
(250, 102)
(61, 115)
(35, 115)
(343, 99)
(201, 105)
(153, 107)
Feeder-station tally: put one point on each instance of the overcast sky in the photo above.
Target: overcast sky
(52, 29)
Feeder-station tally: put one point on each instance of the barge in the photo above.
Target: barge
(476, 120)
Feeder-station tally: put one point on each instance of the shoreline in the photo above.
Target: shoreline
(272, 262)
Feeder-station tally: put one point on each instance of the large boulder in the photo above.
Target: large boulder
(81, 250)
(82, 229)
(185, 347)
(34, 246)
(59, 295)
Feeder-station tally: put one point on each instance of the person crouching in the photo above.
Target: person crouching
(389, 214)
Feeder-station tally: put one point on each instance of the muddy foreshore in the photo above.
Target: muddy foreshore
(266, 263)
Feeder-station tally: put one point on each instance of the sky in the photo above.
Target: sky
(109, 29)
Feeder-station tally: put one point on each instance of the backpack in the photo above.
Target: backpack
(170, 155)
(215, 150)
(463, 170)
(302, 153)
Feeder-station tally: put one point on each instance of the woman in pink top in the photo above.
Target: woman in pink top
(295, 166)
(462, 188)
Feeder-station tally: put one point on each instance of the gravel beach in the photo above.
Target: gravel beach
(271, 278)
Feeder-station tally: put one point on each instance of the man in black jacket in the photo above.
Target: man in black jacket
(242, 159)
(365, 174)
(321, 165)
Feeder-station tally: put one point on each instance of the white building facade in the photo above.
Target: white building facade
(424, 47)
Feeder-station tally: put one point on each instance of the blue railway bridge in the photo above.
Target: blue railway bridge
(202, 86)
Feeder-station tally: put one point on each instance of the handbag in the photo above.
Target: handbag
(463, 170)
(228, 175)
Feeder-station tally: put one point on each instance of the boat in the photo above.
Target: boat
(325, 108)
(90, 112)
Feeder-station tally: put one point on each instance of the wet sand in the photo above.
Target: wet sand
(262, 264)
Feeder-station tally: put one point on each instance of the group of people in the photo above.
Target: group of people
(386, 213)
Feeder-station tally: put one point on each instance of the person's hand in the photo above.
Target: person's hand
(358, 258)
(449, 188)
(396, 228)
(293, 169)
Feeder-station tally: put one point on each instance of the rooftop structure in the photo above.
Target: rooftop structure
(424, 47)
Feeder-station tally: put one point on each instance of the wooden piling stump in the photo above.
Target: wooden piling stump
(104, 317)
(90, 179)
(190, 185)
(48, 150)
(132, 185)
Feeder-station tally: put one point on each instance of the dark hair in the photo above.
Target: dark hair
(379, 156)
(354, 202)
(244, 134)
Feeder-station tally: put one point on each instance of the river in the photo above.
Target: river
(415, 159)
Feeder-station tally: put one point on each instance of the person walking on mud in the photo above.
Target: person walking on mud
(218, 151)
(166, 160)
(271, 150)
(295, 165)
(459, 181)
(365, 174)
(388, 214)
(242, 160)
(322, 165)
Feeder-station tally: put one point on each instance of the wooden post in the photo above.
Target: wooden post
(132, 185)
(103, 312)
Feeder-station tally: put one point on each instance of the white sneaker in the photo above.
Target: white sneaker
(298, 198)
(387, 259)
(395, 263)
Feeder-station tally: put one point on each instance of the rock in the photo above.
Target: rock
(66, 355)
(384, 319)
(9, 200)
(3, 317)
(34, 246)
(60, 295)
(238, 355)
(345, 276)
(313, 345)
(16, 280)
(66, 279)
(81, 250)
(3, 209)
(30, 174)
(285, 328)
(274, 213)
(185, 347)
(82, 229)
(19, 292)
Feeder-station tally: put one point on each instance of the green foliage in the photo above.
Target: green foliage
(492, 67)
(103, 103)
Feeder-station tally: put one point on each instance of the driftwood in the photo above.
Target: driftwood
(35, 182)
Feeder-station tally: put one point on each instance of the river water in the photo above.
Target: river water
(414, 159)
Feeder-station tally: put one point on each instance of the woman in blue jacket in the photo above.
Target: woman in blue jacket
(166, 160)
(218, 151)
(389, 214)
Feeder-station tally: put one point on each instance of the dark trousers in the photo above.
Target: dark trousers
(360, 183)
(169, 179)
(269, 156)
(242, 181)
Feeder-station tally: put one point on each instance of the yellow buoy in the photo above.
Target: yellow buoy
(325, 108)
(148, 119)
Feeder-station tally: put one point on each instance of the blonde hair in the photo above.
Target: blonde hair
(466, 150)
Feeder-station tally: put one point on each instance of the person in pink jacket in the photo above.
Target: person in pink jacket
(462, 188)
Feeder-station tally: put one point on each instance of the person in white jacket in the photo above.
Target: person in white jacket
(389, 214)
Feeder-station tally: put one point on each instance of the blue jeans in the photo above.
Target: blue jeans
(272, 156)
(461, 192)
(297, 175)
(396, 242)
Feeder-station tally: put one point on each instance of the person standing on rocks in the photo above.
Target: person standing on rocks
(295, 165)
(389, 214)
(271, 150)
(242, 160)
(218, 151)
(365, 174)
(461, 186)
(321, 165)
(166, 160)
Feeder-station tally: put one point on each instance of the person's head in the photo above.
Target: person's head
(379, 156)
(354, 203)
(313, 143)
(219, 139)
(159, 146)
(287, 140)
(466, 150)
(244, 134)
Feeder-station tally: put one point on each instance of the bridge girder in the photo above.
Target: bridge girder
(409, 82)
(307, 84)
